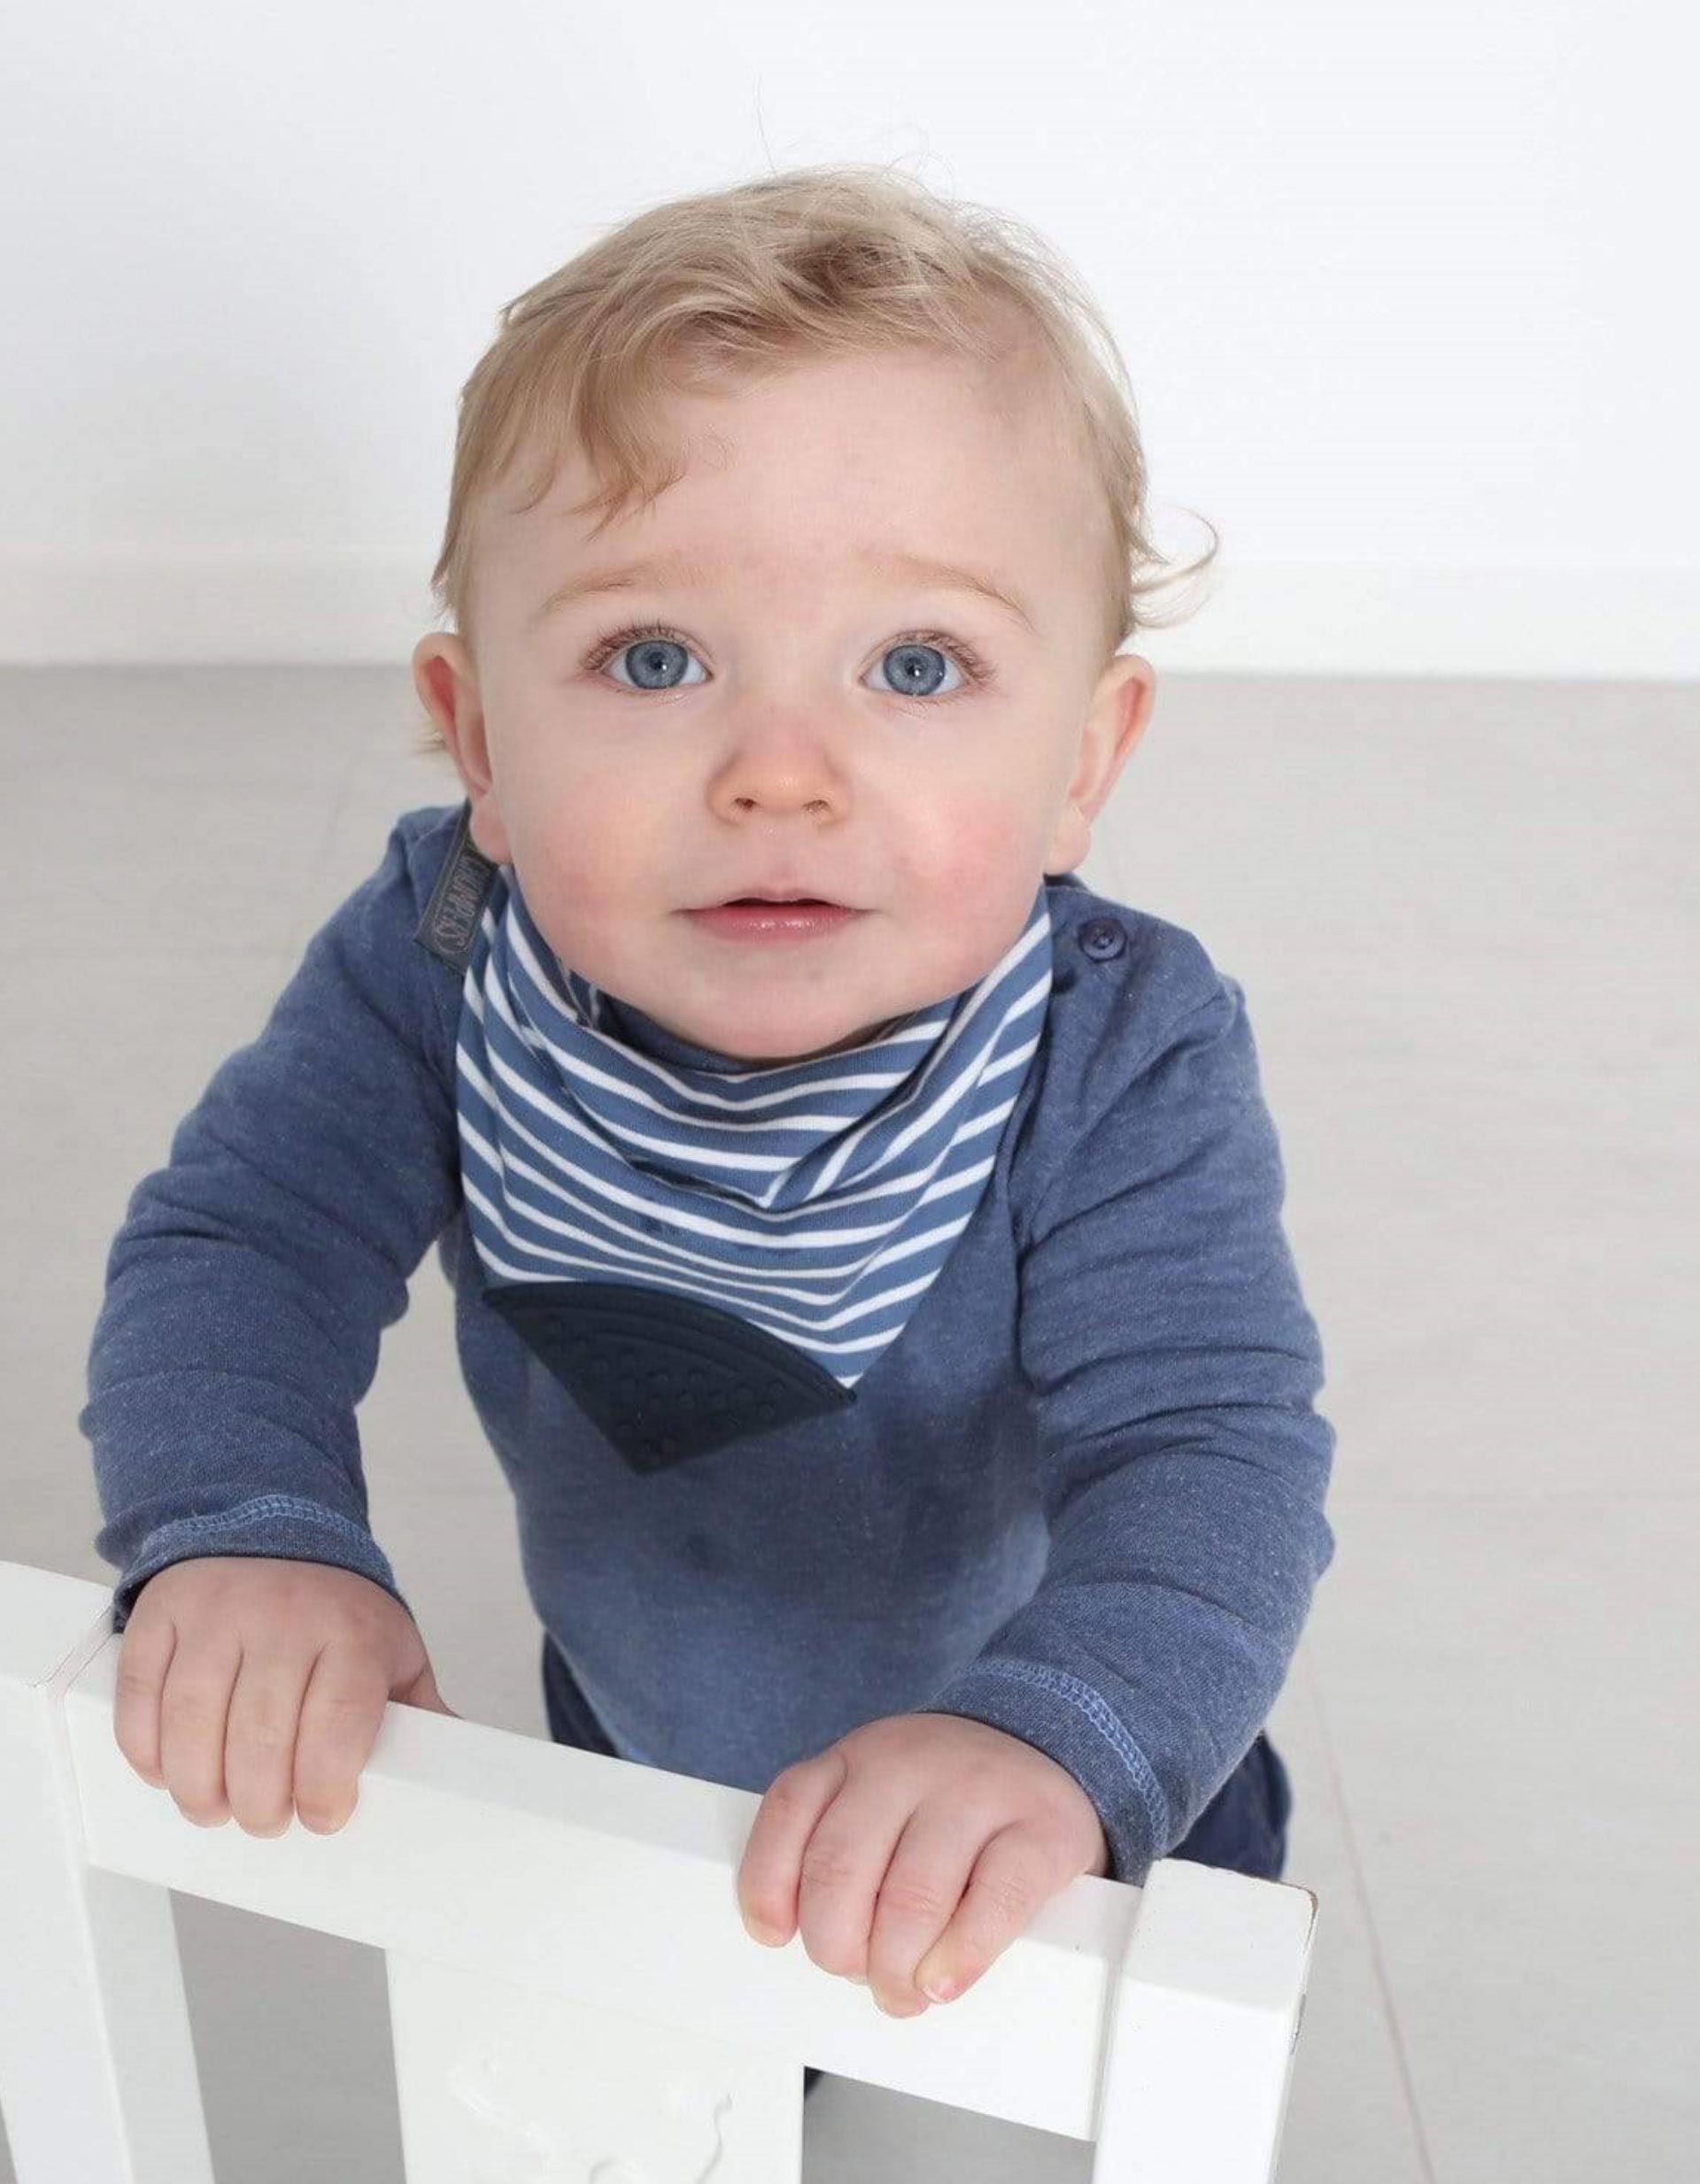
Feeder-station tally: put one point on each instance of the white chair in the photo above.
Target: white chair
(574, 1998)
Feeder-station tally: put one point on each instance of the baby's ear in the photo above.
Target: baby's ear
(1115, 719)
(447, 679)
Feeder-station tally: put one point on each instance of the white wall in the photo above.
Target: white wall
(1406, 292)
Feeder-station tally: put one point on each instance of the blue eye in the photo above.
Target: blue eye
(917, 667)
(658, 657)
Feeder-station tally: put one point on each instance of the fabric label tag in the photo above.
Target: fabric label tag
(450, 925)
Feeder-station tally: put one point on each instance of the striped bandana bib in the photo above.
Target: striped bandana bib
(697, 1248)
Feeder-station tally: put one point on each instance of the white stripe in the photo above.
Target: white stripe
(902, 1156)
(834, 1166)
(493, 1214)
(762, 1237)
(503, 1162)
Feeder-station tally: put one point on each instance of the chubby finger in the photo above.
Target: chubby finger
(145, 1655)
(844, 1866)
(341, 1712)
(259, 1741)
(1013, 1877)
(924, 1884)
(773, 1857)
(194, 1709)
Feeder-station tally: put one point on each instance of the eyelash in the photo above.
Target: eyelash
(968, 661)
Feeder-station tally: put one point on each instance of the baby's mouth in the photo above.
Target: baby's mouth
(757, 917)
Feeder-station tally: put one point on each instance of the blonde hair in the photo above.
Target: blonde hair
(733, 284)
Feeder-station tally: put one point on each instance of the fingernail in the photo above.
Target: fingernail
(939, 1990)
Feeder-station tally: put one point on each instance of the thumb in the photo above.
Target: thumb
(423, 1693)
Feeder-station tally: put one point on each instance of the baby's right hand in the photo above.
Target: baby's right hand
(253, 1686)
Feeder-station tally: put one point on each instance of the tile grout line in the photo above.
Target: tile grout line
(1313, 1681)
(313, 917)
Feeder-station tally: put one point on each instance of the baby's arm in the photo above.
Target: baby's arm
(1182, 1465)
(248, 1286)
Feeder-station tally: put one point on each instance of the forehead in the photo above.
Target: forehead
(836, 470)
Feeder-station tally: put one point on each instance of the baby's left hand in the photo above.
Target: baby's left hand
(925, 1844)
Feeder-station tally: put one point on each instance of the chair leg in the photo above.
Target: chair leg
(97, 2072)
(1200, 2058)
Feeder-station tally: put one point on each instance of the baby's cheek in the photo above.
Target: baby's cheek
(982, 860)
(975, 895)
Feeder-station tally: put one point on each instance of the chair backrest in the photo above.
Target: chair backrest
(573, 1995)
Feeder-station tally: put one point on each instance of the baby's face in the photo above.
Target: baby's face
(803, 711)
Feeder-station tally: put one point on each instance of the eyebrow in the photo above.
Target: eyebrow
(678, 568)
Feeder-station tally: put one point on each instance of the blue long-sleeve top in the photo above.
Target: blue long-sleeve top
(1081, 1500)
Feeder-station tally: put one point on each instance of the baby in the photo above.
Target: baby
(866, 1239)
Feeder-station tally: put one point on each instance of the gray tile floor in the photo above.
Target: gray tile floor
(1464, 916)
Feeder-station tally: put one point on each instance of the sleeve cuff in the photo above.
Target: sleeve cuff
(1069, 1722)
(277, 1525)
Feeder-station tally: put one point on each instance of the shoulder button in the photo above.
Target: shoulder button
(1102, 937)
